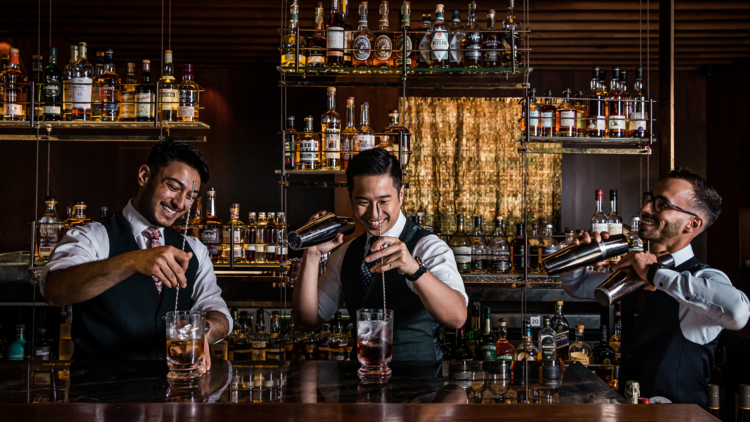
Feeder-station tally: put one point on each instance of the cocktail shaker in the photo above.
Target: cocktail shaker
(621, 283)
(320, 230)
(584, 254)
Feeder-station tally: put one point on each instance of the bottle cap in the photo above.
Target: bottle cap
(643, 400)
(639, 73)
(615, 72)
(559, 303)
(712, 391)
(503, 322)
(579, 328)
(331, 89)
(623, 76)
(146, 61)
(599, 195)
(595, 72)
(613, 194)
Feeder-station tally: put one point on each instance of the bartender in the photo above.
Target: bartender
(670, 348)
(121, 274)
(423, 286)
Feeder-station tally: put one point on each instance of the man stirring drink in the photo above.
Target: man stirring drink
(422, 283)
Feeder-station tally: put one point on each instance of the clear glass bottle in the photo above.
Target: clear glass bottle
(566, 117)
(456, 39)
(569, 239)
(424, 36)
(363, 42)
(517, 250)
(309, 155)
(479, 250)
(383, 40)
(616, 124)
(638, 124)
(366, 135)
(596, 108)
(169, 93)
(581, 120)
(635, 242)
(500, 249)
(348, 33)
(145, 96)
(439, 40)
(533, 128)
(188, 110)
(394, 141)
(109, 90)
(349, 135)
(599, 221)
(460, 244)
(330, 123)
(547, 246)
(289, 56)
(282, 244)
(398, 40)
(127, 105)
(614, 221)
(96, 106)
(490, 43)
(49, 230)
(472, 42)
(292, 341)
(562, 329)
(527, 350)
(239, 237)
(68, 84)
(316, 56)
(234, 335)
(14, 90)
(548, 112)
(270, 234)
(603, 353)
(242, 342)
(535, 239)
(291, 153)
(210, 228)
(275, 342)
(335, 36)
(580, 351)
(66, 345)
(339, 341)
(260, 238)
(79, 215)
(508, 24)
(82, 77)
(462, 353)
(547, 341)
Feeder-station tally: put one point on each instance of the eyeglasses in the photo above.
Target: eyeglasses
(661, 202)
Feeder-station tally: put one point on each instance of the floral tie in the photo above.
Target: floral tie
(366, 276)
(154, 235)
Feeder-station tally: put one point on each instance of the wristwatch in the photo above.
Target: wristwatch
(652, 272)
(420, 272)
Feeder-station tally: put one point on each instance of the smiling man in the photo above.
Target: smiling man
(423, 286)
(120, 275)
(669, 348)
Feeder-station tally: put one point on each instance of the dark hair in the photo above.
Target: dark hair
(166, 151)
(705, 198)
(374, 162)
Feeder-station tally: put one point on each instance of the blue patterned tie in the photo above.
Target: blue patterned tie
(367, 276)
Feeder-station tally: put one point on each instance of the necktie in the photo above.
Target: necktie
(366, 276)
(154, 235)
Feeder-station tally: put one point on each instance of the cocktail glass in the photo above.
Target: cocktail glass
(185, 339)
(374, 342)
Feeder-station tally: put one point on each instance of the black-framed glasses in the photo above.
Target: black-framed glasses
(661, 202)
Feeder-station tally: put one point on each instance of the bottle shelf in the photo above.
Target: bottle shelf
(589, 151)
(587, 145)
(397, 71)
(103, 125)
(99, 138)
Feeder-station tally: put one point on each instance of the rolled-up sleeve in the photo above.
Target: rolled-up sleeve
(438, 258)
(206, 292)
(80, 245)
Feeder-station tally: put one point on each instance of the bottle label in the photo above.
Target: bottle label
(225, 236)
(271, 249)
(599, 227)
(440, 44)
(506, 357)
(532, 121)
(474, 44)
(547, 250)
(454, 43)
(561, 338)
(597, 123)
(548, 348)
(580, 357)
(614, 228)
(490, 43)
(335, 40)
(636, 244)
(501, 261)
(52, 110)
(383, 47)
(477, 262)
(250, 247)
(168, 99)
(108, 97)
(547, 119)
(238, 253)
(67, 95)
(365, 142)
(128, 105)
(638, 122)
(363, 47)
(518, 261)
(567, 118)
(186, 111)
(145, 106)
(616, 122)
(210, 236)
(315, 59)
(424, 47)
(51, 91)
(488, 352)
(462, 255)
(332, 142)
(81, 93)
(308, 150)
(400, 48)
(12, 109)
(580, 120)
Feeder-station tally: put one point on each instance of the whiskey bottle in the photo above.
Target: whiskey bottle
(241, 341)
(460, 244)
(68, 84)
(275, 351)
(595, 109)
(488, 341)
(472, 42)
(602, 353)
(547, 341)
(526, 349)
(634, 242)
(548, 112)
(599, 221)
(292, 342)
(291, 154)
(383, 43)
(562, 332)
(282, 245)
(36, 78)
(4, 60)
(363, 41)
(581, 111)
(239, 237)
(79, 215)
(439, 41)
(348, 136)
(580, 351)
(398, 39)
(508, 24)
(624, 88)
(187, 111)
(614, 221)
(535, 241)
(168, 91)
(603, 84)
(348, 33)
(331, 128)
(309, 155)
(500, 249)
(615, 342)
(270, 234)
(461, 353)
(424, 36)
(397, 138)
(127, 105)
(547, 246)
(479, 252)
(533, 118)
(566, 117)
(96, 106)
(504, 351)
(109, 90)
(260, 338)
(210, 228)
(260, 238)
(145, 96)
(638, 125)
(366, 137)
(569, 237)
(490, 43)
(14, 90)
(335, 36)
(316, 56)
(616, 124)
(49, 230)
(52, 89)
(455, 41)
(250, 238)
(517, 250)
(289, 53)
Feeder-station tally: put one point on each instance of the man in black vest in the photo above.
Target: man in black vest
(120, 274)
(669, 349)
(423, 286)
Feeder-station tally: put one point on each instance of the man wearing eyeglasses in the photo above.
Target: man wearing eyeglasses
(669, 348)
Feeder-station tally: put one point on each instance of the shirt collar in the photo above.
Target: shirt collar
(138, 222)
(397, 228)
(681, 256)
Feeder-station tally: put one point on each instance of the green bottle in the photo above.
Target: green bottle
(488, 341)
(17, 349)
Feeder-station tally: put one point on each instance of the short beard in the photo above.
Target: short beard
(669, 231)
(146, 208)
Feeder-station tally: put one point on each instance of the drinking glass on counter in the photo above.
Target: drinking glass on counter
(374, 342)
(185, 340)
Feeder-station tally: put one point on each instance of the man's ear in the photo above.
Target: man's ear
(144, 175)
(695, 225)
(401, 194)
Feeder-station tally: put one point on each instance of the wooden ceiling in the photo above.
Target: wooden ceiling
(244, 33)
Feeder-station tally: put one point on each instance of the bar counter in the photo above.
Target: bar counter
(138, 390)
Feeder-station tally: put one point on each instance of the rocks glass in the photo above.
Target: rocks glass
(185, 340)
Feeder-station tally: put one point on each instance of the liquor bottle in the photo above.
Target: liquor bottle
(383, 43)
(517, 250)
(187, 111)
(616, 125)
(96, 105)
(455, 41)
(128, 103)
(596, 107)
(275, 342)
(79, 215)
(603, 86)
(424, 36)
(289, 53)
(348, 33)
(624, 89)
(66, 345)
(282, 244)
(36, 78)
(168, 91)
(17, 349)
(324, 338)
(42, 345)
(526, 349)
(614, 221)
(397, 138)
(472, 42)
(195, 222)
(505, 352)
(331, 128)
(581, 111)
(490, 43)
(316, 56)
(500, 249)
(260, 238)
(260, 338)
(250, 238)
(242, 343)
(547, 246)
(638, 114)
(566, 117)
(348, 136)
(634, 242)
(234, 335)
(473, 336)
(714, 400)
(534, 129)
(569, 239)
(548, 112)
(547, 341)
(335, 36)
(210, 228)
(239, 236)
(615, 342)
(479, 250)
(145, 96)
(68, 84)
(488, 341)
(291, 154)
(109, 90)
(339, 341)
(599, 221)
(461, 353)
(309, 156)
(14, 90)
(363, 41)
(4, 59)
(562, 332)
(398, 40)
(365, 137)
(580, 351)
(602, 353)
(270, 236)
(82, 78)
(444, 346)
(49, 231)
(508, 24)
(292, 341)
(439, 41)
(460, 244)
(534, 241)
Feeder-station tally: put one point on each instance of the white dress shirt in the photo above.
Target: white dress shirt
(435, 255)
(90, 243)
(708, 303)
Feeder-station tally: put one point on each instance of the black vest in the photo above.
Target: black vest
(128, 321)
(660, 358)
(413, 327)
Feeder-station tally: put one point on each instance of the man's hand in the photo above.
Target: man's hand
(206, 363)
(166, 263)
(598, 238)
(396, 255)
(638, 263)
(324, 247)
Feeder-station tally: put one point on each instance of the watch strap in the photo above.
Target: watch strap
(652, 272)
(419, 273)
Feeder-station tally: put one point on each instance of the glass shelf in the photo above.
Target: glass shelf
(587, 145)
(393, 71)
(584, 139)
(104, 125)
(98, 138)
(589, 151)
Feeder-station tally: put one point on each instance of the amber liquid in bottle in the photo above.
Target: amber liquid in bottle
(596, 108)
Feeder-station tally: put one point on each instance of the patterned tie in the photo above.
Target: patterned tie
(367, 276)
(154, 235)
